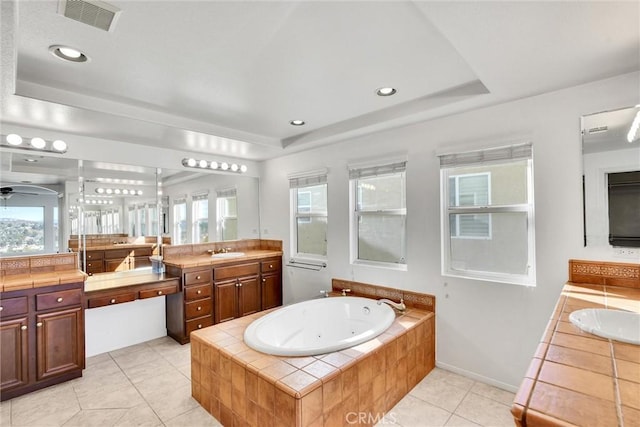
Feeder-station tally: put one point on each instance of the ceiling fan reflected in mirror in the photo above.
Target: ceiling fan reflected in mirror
(7, 192)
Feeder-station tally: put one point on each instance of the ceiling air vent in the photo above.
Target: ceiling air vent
(95, 13)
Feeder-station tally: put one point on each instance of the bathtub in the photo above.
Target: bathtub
(319, 326)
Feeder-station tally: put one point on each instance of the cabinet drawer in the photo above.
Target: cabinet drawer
(270, 265)
(197, 292)
(241, 270)
(95, 266)
(58, 299)
(111, 299)
(13, 306)
(159, 291)
(198, 308)
(94, 255)
(195, 277)
(142, 252)
(117, 253)
(195, 324)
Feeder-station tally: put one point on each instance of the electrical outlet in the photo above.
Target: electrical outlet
(627, 253)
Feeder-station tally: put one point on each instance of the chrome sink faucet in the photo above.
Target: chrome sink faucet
(398, 306)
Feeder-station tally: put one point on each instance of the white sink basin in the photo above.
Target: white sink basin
(615, 324)
(228, 255)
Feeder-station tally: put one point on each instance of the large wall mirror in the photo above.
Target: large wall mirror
(54, 204)
(611, 173)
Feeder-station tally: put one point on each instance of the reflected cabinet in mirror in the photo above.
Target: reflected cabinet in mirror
(611, 174)
(116, 215)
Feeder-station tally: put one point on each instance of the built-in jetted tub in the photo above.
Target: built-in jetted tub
(319, 326)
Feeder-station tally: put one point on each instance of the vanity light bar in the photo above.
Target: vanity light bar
(118, 191)
(205, 164)
(13, 140)
(95, 202)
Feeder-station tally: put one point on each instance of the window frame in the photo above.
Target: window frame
(371, 171)
(527, 279)
(457, 181)
(295, 184)
(196, 199)
(221, 197)
(175, 226)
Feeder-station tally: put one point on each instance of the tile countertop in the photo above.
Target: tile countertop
(19, 282)
(188, 261)
(577, 378)
(121, 279)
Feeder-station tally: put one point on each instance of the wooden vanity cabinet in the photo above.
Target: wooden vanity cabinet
(237, 291)
(271, 283)
(41, 338)
(192, 308)
(117, 259)
(94, 262)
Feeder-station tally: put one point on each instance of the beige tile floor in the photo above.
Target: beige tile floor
(148, 385)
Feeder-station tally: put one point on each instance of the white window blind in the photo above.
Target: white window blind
(511, 152)
(365, 172)
(200, 196)
(227, 192)
(307, 181)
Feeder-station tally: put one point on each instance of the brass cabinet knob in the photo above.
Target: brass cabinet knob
(197, 277)
(159, 292)
(240, 284)
(59, 299)
(198, 292)
(264, 280)
(199, 308)
(270, 265)
(23, 327)
(89, 256)
(113, 301)
(1, 308)
(39, 324)
(199, 326)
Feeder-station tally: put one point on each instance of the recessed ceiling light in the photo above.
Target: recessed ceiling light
(385, 91)
(30, 160)
(296, 122)
(68, 53)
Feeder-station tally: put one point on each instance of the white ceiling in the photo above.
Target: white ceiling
(227, 77)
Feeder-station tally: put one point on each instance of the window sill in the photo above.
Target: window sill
(384, 265)
(506, 279)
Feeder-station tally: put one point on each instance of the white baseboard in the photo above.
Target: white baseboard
(477, 377)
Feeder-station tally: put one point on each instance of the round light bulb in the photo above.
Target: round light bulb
(109, 191)
(224, 166)
(14, 139)
(203, 163)
(243, 168)
(191, 162)
(117, 191)
(214, 165)
(59, 145)
(234, 167)
(125, 191)
(100, 190)
(139, 192)
(38, 143)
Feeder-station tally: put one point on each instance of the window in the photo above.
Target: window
(378, 201)
(153, 220)
(200, 217)
(308, 196)
(22, 230)
(487, 215)
(227, 214)
(470, 190)
(180, 221)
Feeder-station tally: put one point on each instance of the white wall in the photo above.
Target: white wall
(487, 330)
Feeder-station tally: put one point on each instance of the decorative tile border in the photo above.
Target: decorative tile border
(417, 300)
(604, 273)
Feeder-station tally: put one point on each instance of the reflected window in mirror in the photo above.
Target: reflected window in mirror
(227, 211)
(180, 221)
(200, 217)
(610, 145)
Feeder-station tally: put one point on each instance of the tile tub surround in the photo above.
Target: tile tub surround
(576, 378)
(240, 386)
(604, 273)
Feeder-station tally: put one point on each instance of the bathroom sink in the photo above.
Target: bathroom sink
(615, 324)
(228, 255)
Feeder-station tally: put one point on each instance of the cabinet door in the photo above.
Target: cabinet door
(121, 264)
(59, 342)
(248, 296)
(15, 354)
(271, 291)
(226, 300)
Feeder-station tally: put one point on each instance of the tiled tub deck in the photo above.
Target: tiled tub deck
(240, 386)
